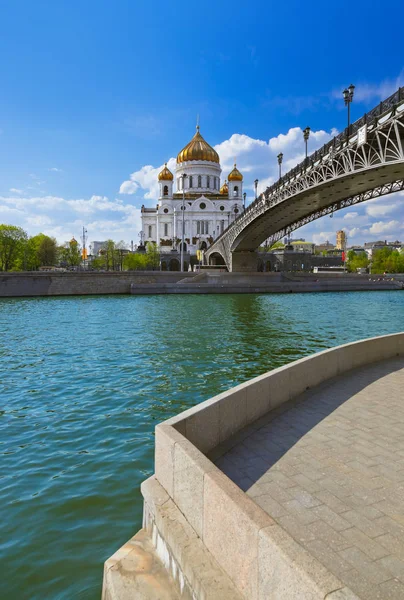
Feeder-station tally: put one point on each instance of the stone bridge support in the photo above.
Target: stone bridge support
(245, 261)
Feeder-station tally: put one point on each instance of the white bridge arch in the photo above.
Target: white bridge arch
(364, 162)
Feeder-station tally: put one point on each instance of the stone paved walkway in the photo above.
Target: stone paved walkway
(330, 471)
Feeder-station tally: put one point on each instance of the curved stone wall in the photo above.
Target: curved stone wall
(255, 553)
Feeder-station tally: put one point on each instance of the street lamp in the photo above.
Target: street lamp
(183, 221)
(244, 197)
(306, 135)
(348, 97)
(256, 185)
(280, 159)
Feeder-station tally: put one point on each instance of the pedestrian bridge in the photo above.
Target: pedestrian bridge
(363, 162)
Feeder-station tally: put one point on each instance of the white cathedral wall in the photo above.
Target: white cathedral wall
(216, 220)
(204, 169)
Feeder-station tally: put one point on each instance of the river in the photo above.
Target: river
(84, 381)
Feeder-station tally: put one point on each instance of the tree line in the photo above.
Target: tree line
(20, 252)
(385, 260)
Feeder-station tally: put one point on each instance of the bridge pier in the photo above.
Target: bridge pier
(244, 262)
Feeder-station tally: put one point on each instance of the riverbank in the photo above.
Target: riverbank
(269, 283)
(19, 285)
(167, 282)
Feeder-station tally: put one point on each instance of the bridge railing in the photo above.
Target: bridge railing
(370, 118)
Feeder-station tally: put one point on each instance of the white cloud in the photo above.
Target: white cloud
(353, 232)
(380, 210)
(385, 227)
(39, 221)
(255, 158)
(351, 215)
(15, 191)
(63, 218)
(55, 169)
(146, 179)
(365, 92)
(323, 236)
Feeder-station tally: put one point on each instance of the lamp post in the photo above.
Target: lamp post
(244, 197)
(306, 135)
(256, 185)
(348, 94)
(280, 159)
(183, 221)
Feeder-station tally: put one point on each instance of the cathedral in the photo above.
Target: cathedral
(193, 200)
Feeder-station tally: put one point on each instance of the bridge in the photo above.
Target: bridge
(364, 161)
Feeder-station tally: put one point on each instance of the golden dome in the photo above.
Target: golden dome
(198, 149)
(235, 174)
(224, 190)
(165, 174)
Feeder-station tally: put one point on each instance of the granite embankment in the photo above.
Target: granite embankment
(157, 282)
(264, 283)
(81, 283)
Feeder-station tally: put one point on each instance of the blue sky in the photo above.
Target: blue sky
(92, 92)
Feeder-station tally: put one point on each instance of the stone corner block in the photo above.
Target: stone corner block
(231, 525)
(153, 492)
(286, 570)
(166, 438)
(190, 467)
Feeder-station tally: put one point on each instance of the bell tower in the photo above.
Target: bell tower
(166, 179)
(235, 184)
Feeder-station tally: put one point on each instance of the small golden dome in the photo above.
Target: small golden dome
(198, 149)
(235, 174)
(224, 190)
(73, 241)
(165, 174)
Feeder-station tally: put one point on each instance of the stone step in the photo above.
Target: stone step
(135, 572)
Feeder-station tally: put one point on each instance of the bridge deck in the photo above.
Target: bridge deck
(330, 470)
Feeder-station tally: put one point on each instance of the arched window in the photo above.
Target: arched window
(190, 181)
(235, 190)
(150, 231)
(199, 181)
(208, 182)
(165, 229)
(165, 190)
(217, 183)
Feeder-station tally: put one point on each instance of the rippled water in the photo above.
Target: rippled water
(83, 381)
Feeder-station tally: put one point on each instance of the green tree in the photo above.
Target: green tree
(387, 260)
(12, 242)
(39, 251)
(46, 249)
(136, 261)
(153, 255)
(98, 262)
(69, 255)
(357, 261)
